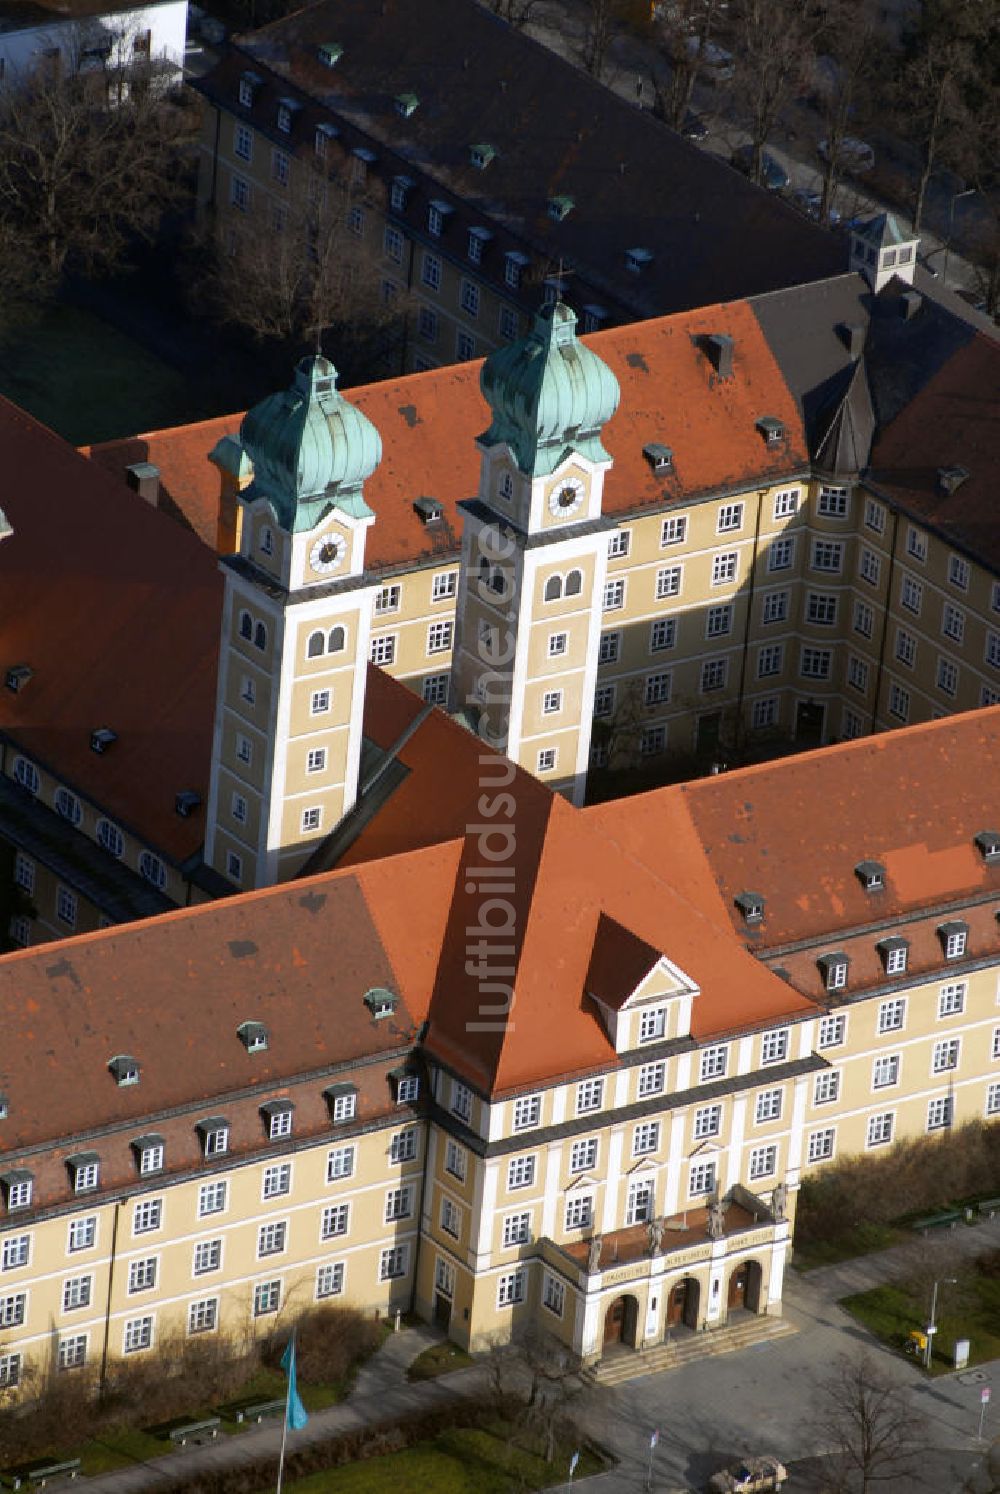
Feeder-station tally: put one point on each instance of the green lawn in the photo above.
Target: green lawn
(439, 1359)
(890, 1312)
(860, 1241)
(88, 381)
(454, 1463)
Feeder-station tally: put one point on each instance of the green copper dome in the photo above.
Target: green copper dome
(310, 448)
(549, 395)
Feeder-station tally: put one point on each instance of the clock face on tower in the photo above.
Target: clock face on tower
(566, 497)
(327, 553)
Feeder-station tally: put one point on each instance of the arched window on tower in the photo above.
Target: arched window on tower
(315, 646)
(260, 636)
(553, 589)
(574, 583)
(338, 640)
(498, 581)
(246, 625)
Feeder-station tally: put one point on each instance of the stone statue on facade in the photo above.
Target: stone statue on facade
(594, 1254)
(655, 1236)
(779, 1201)
(716, 1219)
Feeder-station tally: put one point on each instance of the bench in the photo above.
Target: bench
(37, 1475)
(195, 1431)
(260, 1409)
(988, 1207)
(938, 1221)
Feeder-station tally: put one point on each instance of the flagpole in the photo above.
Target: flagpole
(284, 1429)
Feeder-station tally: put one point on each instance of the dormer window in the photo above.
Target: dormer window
(478, 240)
(834, 968)
(751, 905)
(381, 1003)
(18, 1187)
(637, 259)
(405, 104)
(437, 217)
(214, 1133)
(102, 739)
(321, 143)
(481, 155)
(653, 1024)
(560, 207)
(954, 937)
(513, 268)
(249, 83)
(287, 110)
(594, 317)
(894, 953)
(343, 1102)
(406, 1085)
(253, 1036)
(277, 1116)
(771, 429)
(871, 875)
(84, 1171)
(124, 1069)
(186, 802)
(399, 191)
(360, 162)
(150, 1154)
(429, 510)
(329, 53)
(17, 677)
(988, 842)
(152, 869)
(660, 458)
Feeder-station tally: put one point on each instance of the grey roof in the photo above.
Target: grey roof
(845, 446)
(883, 231)
(712, 234)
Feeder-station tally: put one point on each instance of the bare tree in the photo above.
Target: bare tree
(538, 1370)
(869, 1426)
(775, 52)
(604, 20)
(683, 30)
(516, 13)
(302, 271)
(853, 42)
(80, 180)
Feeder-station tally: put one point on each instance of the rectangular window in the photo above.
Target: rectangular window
(82, 1233)
(604, 700)
(958, 572)
(992, 653)
(764, 712)
(509, 323)
(15, 1252)
(583, 1155)
(203, 1317)
(885, 1071)
(316, 760)
(652, 1079)
(874, 516)
(207, 1257)
(899, 703)
(439, 637)
(618, 544)
(945, 1056)
(66, 913)
(906, 648)
(768, 1106)
(869, 566)
(775, 607)
(832, 503)
(724, 567)
(781, 553)
(461, 1101)
(403, 1147)
(614, 595)
(444, 586)
(334, 1221)
(816, 663)
(911, 595)
(947, 676)
(465, 347)
(652, 739)
(892, 1015)
(280, 167)
(72, 1352)
(992, 1108)
(579, 1212)
(657, 689)
(383, 650)
(662, 634)
(653, 1024)
(770, 659)
(553, 1295)
(239, 192)
(645, 1138)
(148, 1216)
(398, 1203)
(589, 1096)
(713, 675)
(388, 599)
(821, 608)
(673, 531)
(277, 1180)
(610, 648)
(639, 1206)
(719, 621)
(557, 644)
(272, 1238)
(212, 1198)
(10, 1371)
(516, 1230)
(774, 1046)
(953, 622)
(469, 297)
(786, 504)
(330, 1279)
(701, 1179)
(138, 1335)
(827, 1087)
(266, 1298)
(455, 1161)
(13, 1310)
(668, 582)
(879, 1132)
(520, 1173)
(730, 518)
(392, 243)
(951, 999)
(510, 1288)
(857, 674)
(827, 555)
(832, 1031)
(939, 1113)
(820, 1145)
(339, 1163)
(451, 1218)
(552, 702)
(707, 1121)
(713, 1063)
(430, 271)
(763, 1162)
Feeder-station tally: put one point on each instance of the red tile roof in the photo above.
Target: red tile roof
(429, 422)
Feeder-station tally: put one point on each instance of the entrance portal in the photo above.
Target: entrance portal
(683, 1303)
(442, 1310)
(620, 1322)
(744, 1287)
(809, 723)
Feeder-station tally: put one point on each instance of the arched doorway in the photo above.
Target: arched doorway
(683, 1303)
(620, 1322)
(744, 1287)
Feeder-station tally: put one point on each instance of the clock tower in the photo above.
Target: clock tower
(295, 630)
(534, 556)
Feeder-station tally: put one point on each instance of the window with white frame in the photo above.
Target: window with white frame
(330, 1279)
(444, 1277)
(953, 622)
(557, 644)
(821, 608)
(669, 579)
(619, 544)
(72, 1352)
(701, 1179)
(786, 504)
(899, 703)
(713, 675)
(885, 1071)
(781, 553)
(911, 595)
(939, 1113)
(993, 1098)
(652, 1024)
(398, 1203)
(334, 1221)
(959, 572)
(945, 1055)
(609, 648)
(583, 1155)
(869, 566)
(546, 759)
(832, 502)
(764, 712)
(207, 1257)
(451, 1217)
(763, 1162)
(82, 1233)
(719, 621)
(266, 1298)
(430, 271)
(589, 1096)
(951, 999)
(339, 1163)
(392, 1263)
(656, 690)
(827, 555)
(992, 651)
(435, 689)
(906, 648)
(895, 959)
(730, 518)
(892, 1015)
(212, 1198)
(774, 608)
(947, 676)
(874, 516)
(724, 567)
(816, 663)
(645, 1138)
(469, 297)
(148, 1216)
(673, 531)
(879, 1129)
(137, 1335)
(774, 1045)
(614, 595)
(768, 1107)
(662, 634)
(820, 1145)
(444, 586)
(439, 637)
(14, 1252)
(511, 1287)
(272, 1238)
(604, 701)
(857, 674)
(863, 621)
(383, 650)
(713, 1063)
(10, 1371)
(388, 599)
(203, 1317)
(552, 702)
(516, 1230)
(277, 1180)
(579, 1211)
(639, 1205)
(707, 1121)
(461, 1100)
(553, 1295)
(66, 906)
(520, 1173)
(826, 1087)
(403, 1146)
(770, 659)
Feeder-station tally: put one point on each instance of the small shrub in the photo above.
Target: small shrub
(330, 1342)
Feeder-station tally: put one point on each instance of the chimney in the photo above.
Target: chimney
(950, 479)
(719, 347)
(852, 335)
(143, 478)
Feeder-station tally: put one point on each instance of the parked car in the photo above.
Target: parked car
(717, 65)
(852, 155)
(774, 175)
(693, 127)
(749, 1476)
(808, 202)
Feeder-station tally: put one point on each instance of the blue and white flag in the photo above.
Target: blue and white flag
(296, 1415)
